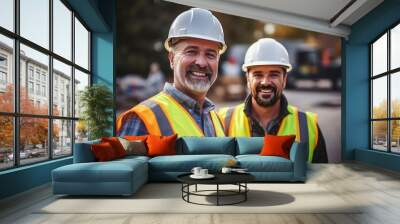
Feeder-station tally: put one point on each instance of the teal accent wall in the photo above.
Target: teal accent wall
(99, 16)
(24, 178)
(355, 55)
(103, 52)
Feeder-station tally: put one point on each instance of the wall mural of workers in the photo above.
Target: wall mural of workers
(143, 66)
(266, 109)
(194, 44)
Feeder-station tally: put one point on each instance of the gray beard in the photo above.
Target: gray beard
(198, 86)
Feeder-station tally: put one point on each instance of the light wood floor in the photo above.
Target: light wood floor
(377, 188)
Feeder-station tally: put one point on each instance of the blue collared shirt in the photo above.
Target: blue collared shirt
(133, 125)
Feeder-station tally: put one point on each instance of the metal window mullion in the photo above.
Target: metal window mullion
(371, 89)
(89, 53)
(389, 101)
(50, 81)
(73, 82)
(16, 85)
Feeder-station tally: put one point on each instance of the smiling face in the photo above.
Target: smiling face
(266, 83)
(195, 65)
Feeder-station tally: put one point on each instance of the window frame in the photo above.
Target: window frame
(16, 114)
(388, 74)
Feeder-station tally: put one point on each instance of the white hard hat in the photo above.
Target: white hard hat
(266, 51)
(196, 23)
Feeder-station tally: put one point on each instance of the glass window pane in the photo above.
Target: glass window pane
(6, 142)
(62, 29)
(35, 21)
(6, 74)
(81, 81)
(379, 135)
(395, 47)
(81, 45)
(395, 95)
(62, 138)
(62, 89)
(33, 139)
(379, 55)
(379, 97)
(34, 97)
(395, 136)
(7, 14)
(81, 131)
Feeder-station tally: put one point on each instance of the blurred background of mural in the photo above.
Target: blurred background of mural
(313, 85)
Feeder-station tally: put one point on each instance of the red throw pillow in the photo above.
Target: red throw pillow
(116, 145)
(277, 145)
(103, 151)
(135, 138)
(161, 145)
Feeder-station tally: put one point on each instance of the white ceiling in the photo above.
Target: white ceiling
(323, 16)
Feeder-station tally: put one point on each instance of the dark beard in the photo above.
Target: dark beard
(267, 103)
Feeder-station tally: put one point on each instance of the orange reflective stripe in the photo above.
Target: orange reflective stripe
(120, 120)
(145, 114)
(148, 118)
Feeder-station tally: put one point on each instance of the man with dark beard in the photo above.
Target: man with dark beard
(195, 43)
(266, 109)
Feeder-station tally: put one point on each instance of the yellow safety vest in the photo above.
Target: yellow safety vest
(163, 115)
(303, 125)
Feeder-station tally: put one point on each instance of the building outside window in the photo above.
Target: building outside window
(43, 90)
(43, 78)
(3, 71)
(3, 61)
(3, 78)
(385, 91)
(30, 72)
(37, 75)
(58, 133)
(30, 87)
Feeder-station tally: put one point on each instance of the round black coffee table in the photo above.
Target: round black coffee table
(238, 179)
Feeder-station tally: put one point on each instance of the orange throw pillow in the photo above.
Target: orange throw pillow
(277, 145)
(116, 145)
(161, 145)
(103, 152)
(135, 138)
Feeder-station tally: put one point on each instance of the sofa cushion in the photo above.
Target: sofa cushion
(135, 138)
(161, 145)
(206, 145)
(129, 159)
(112, 171)
(83, 152)
(277, 145)
(249, 145)
(257, 163)
(185, 163)
(103, 152)
(116, 145)
(134, 147)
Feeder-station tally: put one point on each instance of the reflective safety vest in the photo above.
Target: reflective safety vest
(302, 124)
(163, 115)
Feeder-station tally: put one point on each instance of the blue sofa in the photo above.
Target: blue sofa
(125, 176)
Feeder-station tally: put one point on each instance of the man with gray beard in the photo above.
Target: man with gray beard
(266, 110)
(194, 44)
